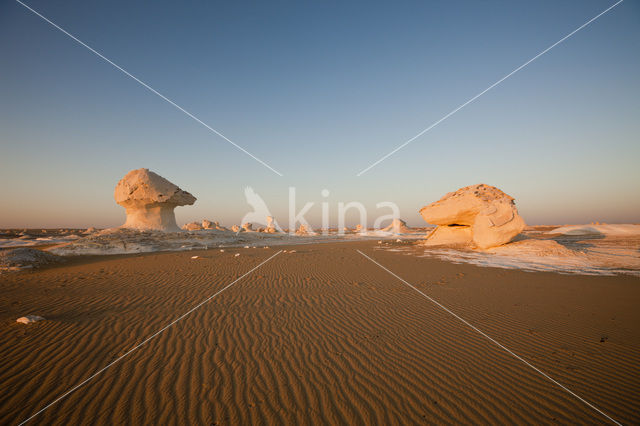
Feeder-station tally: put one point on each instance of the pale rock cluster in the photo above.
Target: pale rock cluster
(303, 230)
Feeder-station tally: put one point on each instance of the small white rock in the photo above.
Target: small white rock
(221, 250)
(194, 257)
(246, 246)
(236, 255)
(29, 319)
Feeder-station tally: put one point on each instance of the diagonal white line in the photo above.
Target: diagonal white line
(85, 381)
(151, 89)
(482, 333)
(487, 89)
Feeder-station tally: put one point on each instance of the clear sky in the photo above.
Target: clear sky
(319, 90)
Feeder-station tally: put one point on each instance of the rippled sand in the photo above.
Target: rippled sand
(321, 335)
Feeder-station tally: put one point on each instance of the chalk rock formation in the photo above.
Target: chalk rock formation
(149, 200)
(450, 236)
(398, 226)
(236, 229)
(207, 224)
(488, 214)
(193, 226)
(29, 319)
(303, 230)
(271, 226)
(248, 227)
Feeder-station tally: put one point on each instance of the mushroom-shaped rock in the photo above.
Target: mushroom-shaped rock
(236, 229)
(149, 200)
(489, 213)
(398, 226)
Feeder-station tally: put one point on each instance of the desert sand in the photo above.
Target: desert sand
(318, 335)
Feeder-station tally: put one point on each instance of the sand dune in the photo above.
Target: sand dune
(309, 338)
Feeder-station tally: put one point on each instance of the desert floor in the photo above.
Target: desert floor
(321, 335)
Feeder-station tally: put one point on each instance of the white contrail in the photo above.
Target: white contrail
(151, 89)
(507, 350)
(487, 89)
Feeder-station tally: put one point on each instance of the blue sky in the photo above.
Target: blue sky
(319, 91)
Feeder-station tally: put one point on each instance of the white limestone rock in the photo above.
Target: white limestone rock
(398, 226)
(303, 230)
(192, 226)
(449, 236)
(490, 214)
(207, 224)
(149, 200)
(29, 319)
(271, 226)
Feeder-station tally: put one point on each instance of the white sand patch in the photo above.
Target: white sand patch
(618, 230)
(564, 254)
(123, 241)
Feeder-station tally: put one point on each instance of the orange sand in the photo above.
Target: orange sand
(321, 335)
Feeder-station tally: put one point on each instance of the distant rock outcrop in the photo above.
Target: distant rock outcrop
(149, 200)
(271, 226)
(207, 224)
(398, 226)
(303, 230)
(478, 214)
(192, 226)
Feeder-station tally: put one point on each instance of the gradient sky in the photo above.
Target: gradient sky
(319, 90)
